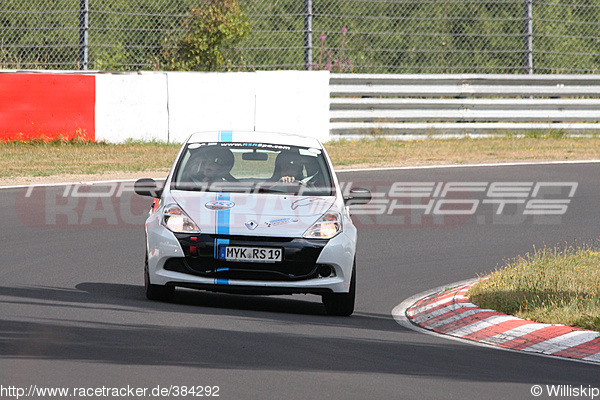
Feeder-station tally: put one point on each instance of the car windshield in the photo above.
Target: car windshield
(253, 167)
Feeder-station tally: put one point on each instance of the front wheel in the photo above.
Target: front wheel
(342, 304)
(156, 292)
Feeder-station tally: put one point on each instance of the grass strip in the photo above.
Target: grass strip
(40, 158)
(552, 285)
(505, 148)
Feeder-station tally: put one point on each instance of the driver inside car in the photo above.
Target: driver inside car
(213, 165)
(288, 168)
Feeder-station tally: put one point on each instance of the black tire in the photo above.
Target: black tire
(342, 304)
(156, 292)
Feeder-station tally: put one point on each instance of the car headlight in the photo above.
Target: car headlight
(176, 220)
(326, 227)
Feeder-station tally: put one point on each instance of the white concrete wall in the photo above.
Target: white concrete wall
(169, 106)
(294, 102)
(205, 101)
(131, 106)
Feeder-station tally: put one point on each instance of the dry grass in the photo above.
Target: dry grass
(46, 159)
(33, 161)
(553, 286)
(381, 152)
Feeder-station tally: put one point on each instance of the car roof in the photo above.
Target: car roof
(255, 137)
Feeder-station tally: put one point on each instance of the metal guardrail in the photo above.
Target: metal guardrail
(405, 105)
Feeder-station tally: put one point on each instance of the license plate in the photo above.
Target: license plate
(250, 254)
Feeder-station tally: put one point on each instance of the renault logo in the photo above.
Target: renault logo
(219, 205)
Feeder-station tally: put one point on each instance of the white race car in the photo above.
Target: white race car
(252, 213)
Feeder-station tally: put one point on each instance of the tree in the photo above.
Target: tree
(207, 38)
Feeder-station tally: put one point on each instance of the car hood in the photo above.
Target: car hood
(253, 214)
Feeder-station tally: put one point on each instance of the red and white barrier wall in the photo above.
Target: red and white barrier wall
(164, 106)
(46, 106)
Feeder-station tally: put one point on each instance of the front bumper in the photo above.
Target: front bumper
(191, 260)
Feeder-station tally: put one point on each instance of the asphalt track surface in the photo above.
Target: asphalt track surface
(73, 312)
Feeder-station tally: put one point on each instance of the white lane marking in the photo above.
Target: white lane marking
(342, 171)
(513, 164)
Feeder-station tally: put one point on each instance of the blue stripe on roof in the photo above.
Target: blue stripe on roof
(225, 136)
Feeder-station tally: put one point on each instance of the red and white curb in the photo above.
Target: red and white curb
(450, 312)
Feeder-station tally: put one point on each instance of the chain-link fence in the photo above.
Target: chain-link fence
(366, 36)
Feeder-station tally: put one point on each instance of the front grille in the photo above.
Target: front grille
(241, 271)
(299, 258)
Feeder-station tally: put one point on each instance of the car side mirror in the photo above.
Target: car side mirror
(147, 187)
(358, 196)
